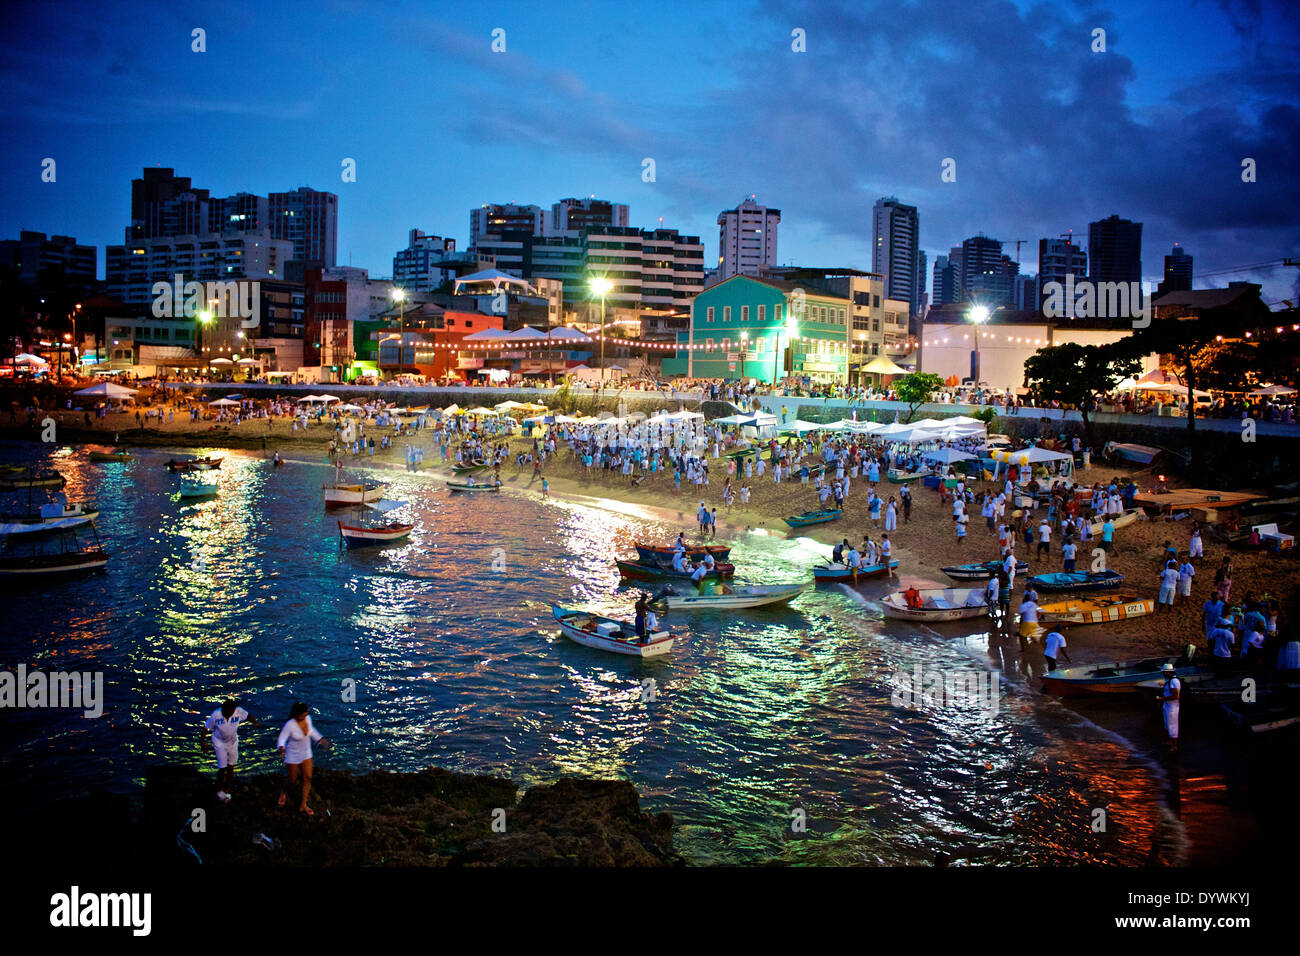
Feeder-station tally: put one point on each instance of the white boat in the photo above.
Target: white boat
(49, 517)
(194, 492)
(937, 604)
(607, 634)
(359, 536)
(728, 598)
(1121, 520)
(361, 494)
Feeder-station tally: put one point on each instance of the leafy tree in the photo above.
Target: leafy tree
(1077, 375)
(1185, 339)
(916, 389)
(987, 415)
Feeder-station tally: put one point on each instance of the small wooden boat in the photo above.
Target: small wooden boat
(813, 517)
(457, 486)
(727, 598)
(47, 479)
(197, 491)
(1211, 688)
(843, 573)
(1264, 715)
(1121, 520)
(110, 456)
(51, 516)
(980, 571)
(1117, 677)
(653, 571)
(607, 634)
(195, 464)
(937, 604)
(359, 536)
(899, 477)
(48, 565)
(1077, 581)
(655, 552)
(338, 495)
(1127, 451)
(1098, 610)
(469, 468)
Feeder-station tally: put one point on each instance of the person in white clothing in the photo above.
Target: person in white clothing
(1170, 692)
(223, 723)
(296, 738)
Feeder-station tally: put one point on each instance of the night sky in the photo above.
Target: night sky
(1047, 135)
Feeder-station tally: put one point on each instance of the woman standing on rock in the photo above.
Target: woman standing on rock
(296, 738)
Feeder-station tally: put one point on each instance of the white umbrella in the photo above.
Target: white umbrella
(1270, 390)
(27, 358)
(221, 361)
(308, 399)
(328, 398)
(223, 403)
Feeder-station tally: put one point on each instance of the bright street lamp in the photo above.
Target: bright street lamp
(399, 296)
(601, 285)
(978, 314)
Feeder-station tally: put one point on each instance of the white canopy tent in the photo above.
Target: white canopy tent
(223, 403)
(946, 456)
(1028, 457)
(107, 390)
(1269, 391)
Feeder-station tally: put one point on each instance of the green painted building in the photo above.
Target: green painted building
(765, 329)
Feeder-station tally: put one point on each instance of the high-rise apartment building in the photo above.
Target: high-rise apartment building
(416, 268)
(309, 219)
(946, 283)
(895, 251)
(32, 255)
(747, 239)
(1115, 250)
(497, 218)
(984, 272)
(164, 204)
(571, 216)
(1057, 259)
(1178, 272)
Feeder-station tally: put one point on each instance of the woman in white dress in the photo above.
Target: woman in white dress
(296, 738)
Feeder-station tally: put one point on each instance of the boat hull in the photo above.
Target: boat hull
(838, 572)
(980, 572)
(1121, 607)
(337, 496)
(1122, 520)
(454, 486)
(759, 596)
(652, 553)
(355, 536)
(51, 565)
(574, 624)
(809, 518)
(940, 604)
(1118, 677)
(653, 572)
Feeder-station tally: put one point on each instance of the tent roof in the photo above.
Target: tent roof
(484, 334)
(107, 390)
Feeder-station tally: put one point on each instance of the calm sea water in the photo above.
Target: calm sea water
(757, 719)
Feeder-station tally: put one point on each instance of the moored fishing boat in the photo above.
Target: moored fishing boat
(813, 517)
(360, 536)
(727, 598)
(899, 477)
(652, 571)
(486, 486)
(607, 634)
(199, 491)
(46, 479)
(110, 456)
(341, 495)
(51, 516)
(980, 570)
(1117, 677)
(195, 464)
(1210, 688)
(468, 468)
(35, 561)
(1121, 520)
(1263, 716)
(1130, 452)
(1098, 610)
(835, 571)
(655, 552)
(935, 604)
(1077, 581)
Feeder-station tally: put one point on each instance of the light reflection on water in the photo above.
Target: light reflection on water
(459, 664)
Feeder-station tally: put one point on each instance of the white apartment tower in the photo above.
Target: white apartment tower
(747, 239)
(895, 252)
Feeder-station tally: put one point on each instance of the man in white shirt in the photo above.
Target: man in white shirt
(223, 723)
(1044, 539)
(1168, 582)
(1170, 692)
(1054, 644)
(1028, 618)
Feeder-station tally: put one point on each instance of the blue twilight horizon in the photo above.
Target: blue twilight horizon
(1047, 134)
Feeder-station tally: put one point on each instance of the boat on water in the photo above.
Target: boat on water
(46, 479)
(1211, 688)
(835, 571)
(653, 571)
(110, 456)
(343, 495)
(936, 604)
(195, 464)
(1098, 610)
(468, 468)
(980, 570)
(1077, 581)
(361, 536)
(1266, 715)
(486, 486)
(1118, 677)
(49, 517)
(813, 517)
(656, 552)
(1121, 520)
(607, 634)
(727, 598)
(35, 561)
(199, 491)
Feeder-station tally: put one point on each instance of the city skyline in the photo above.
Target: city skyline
(1165, 147)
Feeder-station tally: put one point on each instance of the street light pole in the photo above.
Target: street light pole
(602, 285)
